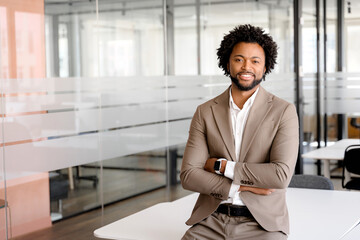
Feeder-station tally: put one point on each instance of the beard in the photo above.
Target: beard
(241, 87)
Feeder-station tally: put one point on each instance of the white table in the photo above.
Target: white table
(354, 234)
(314, 214)
(333, 152)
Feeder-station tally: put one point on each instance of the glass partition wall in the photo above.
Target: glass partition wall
(97, 96)
(113, 48)
(331, 82)
(22, 58)
(312, 62)
(142, 117)
(352, 75)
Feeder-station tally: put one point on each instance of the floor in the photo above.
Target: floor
(81, 227)
(120, 180)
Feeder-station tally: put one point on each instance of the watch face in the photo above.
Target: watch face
(217, 166)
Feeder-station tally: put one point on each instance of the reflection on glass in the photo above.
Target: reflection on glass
(126, 40)
(129, 122)
(309, 50)
(124, 127)
(30, 49)
(63, 51)
(131, 38)
(185, 37)
(352, 33)
(220, 17)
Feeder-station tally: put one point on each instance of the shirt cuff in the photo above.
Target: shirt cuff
(230, 169)
(233, 190)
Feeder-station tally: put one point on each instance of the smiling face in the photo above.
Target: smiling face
(247, 65)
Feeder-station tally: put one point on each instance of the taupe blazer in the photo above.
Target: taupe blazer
(267, 158)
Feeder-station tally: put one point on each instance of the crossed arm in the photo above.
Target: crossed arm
(198, 175)
(209, 166)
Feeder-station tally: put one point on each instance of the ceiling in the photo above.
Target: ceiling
(219, 9)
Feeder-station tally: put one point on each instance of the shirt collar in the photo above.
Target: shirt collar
(248, 102)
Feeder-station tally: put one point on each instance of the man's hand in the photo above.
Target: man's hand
(260, 191)
(209, 165)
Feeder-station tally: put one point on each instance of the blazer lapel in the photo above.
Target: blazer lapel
(221, 112)
(257, 114)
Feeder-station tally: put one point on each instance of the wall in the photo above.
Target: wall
(22, 56)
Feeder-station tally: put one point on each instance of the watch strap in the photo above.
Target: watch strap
(217, 167)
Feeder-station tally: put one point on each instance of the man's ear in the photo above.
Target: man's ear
(228, 67)
(264, 69)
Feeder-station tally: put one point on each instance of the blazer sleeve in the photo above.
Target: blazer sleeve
(277, 172)
(193, 176)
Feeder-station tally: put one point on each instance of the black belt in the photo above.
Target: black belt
(234, 210)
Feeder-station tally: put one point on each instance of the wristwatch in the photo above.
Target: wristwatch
(217, 165)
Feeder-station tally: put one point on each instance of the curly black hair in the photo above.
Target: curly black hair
(249, 34)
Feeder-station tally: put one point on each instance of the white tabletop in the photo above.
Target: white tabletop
(333, 152)
(354, 234)
(314, 214)
(322, 214)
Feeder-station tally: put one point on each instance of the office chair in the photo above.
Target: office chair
(59, 189)
(311, 181)
(92, 178)
(4, 204)
(355, 124)
(352, 165)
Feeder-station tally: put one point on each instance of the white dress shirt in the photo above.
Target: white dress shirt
(238, 120)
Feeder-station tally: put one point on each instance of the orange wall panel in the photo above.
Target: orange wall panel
(22, 55)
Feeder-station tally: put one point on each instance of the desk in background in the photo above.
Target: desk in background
(314, 214)
(333, 152)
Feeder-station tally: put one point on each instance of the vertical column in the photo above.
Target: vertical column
(298, 21)
(340, 59)
(55, 46)
(171, 152)
(139, 69)
(170, 37)
(271, 19)
(74, 47)
(198, 37)
(11, 41)
(318, 85)
(325, 70)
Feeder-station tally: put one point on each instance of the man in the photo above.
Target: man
(242, 148)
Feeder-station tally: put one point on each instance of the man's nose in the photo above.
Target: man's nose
(246, 65)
